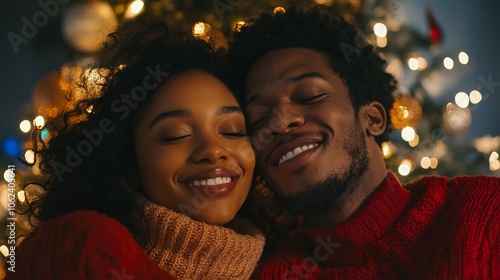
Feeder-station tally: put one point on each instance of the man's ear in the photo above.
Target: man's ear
(375, 118)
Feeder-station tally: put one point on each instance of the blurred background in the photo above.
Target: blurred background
(444, 53)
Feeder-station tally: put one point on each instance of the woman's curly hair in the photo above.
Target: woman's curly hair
(350, 55)
(90, 163)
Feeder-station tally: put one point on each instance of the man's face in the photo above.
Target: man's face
(309, 144)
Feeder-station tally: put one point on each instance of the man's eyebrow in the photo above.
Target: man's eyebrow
(179, 113)
(291, 80)
(305, 76)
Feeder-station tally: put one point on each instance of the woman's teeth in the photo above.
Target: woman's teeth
(297, 151)
(210, 182)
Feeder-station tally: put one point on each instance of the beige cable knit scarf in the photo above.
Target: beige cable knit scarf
(189, 249)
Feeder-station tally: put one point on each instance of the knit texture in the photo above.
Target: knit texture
(434, 228)
(190, 249)
(82, 245)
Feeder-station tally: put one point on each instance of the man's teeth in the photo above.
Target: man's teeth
(297, 151)
(211, 181)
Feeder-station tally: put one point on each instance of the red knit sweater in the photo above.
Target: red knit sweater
(434, 228)
(83, 245)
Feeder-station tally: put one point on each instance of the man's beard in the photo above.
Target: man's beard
(318, 197)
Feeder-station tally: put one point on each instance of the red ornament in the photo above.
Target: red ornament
(435, 31)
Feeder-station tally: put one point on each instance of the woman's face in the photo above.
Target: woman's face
(193, 153)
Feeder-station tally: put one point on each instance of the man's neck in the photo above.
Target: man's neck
(349, 203)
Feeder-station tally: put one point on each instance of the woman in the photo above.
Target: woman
(161, 153)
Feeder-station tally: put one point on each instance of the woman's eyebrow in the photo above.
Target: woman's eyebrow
(179, 113)
(224, 110)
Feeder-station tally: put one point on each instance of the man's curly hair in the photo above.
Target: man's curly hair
(351, 56)
(107, 180)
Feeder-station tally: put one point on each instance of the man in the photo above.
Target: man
(317, 99)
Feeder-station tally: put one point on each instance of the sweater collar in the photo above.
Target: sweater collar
(343, 242)
(190, 249)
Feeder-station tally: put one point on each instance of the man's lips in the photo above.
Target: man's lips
(293, 148)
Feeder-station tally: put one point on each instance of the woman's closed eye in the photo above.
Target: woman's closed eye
(235, 134)
(170, 139)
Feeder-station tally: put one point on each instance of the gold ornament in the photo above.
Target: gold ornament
(406, 111)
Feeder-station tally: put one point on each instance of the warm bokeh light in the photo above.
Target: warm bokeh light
(475, 96)
(381, 42)
(29, 156)
(7, 175)
(408, 133)
(279, 10)
(239, 25)
(199, 29)
(380, 29)
(434, 163)
(422, 63)
(324, 2)
(463, 58)
(462, 99)
(21, 196)
(414, 142)
(425, 162)
(413, 63)
(25, 126)
(456, 120)
(39, 122)
(405, 167)
(134, 9)
(448, 63)
(386, 150)
(4, 250)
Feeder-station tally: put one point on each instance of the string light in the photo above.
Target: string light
(380, 29)
(25, 126)
(44, 133)
(494, 162)
(408, 133)
(475, 96)
(381, 42)
(434, 163)
(324, 2)
(279, 10)
(422, 63)
(134, 9)
(413, 63)
(387, 149)
(21, 196)
(448, 63)
(414, 142)
(239, 25)
(39, 122)
(199, 29)
(405, 167)
(7, 175)
(463, 58)
(4, 250)
(462, 99)
(29, 156)
(425, 162)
